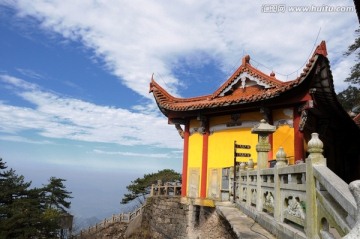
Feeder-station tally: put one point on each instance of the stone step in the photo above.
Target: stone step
(243, 226)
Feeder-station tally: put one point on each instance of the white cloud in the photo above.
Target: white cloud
(55, 116)
(140, 37)
(15, 138)
(341, 72)
(98, 151)
(30, 73)
(137, 38)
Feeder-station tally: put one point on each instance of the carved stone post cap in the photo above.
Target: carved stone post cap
(242, 166)
(280, 154)
(280, 157)
(315, 145)
(263, 128)
(250, 164)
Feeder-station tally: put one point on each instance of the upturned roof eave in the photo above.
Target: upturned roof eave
(171, 105)
(168, 103)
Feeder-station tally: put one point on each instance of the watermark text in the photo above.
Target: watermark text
(282, 8)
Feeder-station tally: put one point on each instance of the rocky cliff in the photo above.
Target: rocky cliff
(167, 218)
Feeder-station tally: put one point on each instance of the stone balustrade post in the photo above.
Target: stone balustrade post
(152, 190)
(354, 188)
(159, 184)
(166, 188)
(315, 149)
(280, 162)
(241, 173)
(248, 190)
(263, 130)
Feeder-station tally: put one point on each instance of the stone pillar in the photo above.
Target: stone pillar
(315, 148)
(263, 130)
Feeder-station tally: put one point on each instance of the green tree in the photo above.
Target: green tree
(19, 206)
(2, 166)
(55, 195)
(25, 219)
(140, 187)
(54, 199)
(350, 97)
(354, 48)
(30, 213)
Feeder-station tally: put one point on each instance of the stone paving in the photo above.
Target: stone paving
(243, 226)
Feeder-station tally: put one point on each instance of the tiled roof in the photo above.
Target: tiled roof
(246, 85)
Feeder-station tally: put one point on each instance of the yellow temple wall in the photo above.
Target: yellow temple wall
(221, 143)
(195, 150)
(284, 134)
(221, 147)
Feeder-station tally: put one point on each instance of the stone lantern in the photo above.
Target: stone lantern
(263, 147)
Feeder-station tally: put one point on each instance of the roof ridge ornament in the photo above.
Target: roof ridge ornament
(246, 60)
(321, 49)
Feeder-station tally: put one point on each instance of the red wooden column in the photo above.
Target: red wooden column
(185, 161)
(298, 138)
(204, 161)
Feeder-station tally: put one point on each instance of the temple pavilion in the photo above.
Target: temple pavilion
(211, 125)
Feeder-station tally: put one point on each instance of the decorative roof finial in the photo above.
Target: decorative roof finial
(321, 49)
(272, 74)
(246, 60)
(151, 85)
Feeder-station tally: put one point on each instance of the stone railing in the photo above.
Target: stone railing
(121, 217)
(166, 189)
(306, 200)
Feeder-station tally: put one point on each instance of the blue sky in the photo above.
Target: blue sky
(74, 79)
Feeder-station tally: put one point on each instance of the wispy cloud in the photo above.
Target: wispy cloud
(30, 73)
(140, 37)
(137, 38)
(98, 151)
(15, 138)
(55, 116)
